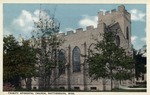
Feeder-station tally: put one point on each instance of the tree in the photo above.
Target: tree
(140, 63)
(46, 39)
(10, 73)
(108, 60)
(28, 62)
(19, 60)
(124, 69)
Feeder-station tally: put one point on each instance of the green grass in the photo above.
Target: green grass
(122, 90)
(65, 90)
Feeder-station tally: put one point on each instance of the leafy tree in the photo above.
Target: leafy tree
(124, 69)
(140, 63)
(10, 72)
(19, 60)
(108, 60)
(46, 39)
(28, 61)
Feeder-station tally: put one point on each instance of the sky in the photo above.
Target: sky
(18, 18)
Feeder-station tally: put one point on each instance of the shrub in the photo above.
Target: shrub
(8, 87)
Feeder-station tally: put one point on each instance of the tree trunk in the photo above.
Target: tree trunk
(120, 82)
(28, 83)
(25, 82)
(111, 79)
(48, 82)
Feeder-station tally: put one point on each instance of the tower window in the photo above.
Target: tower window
(127, 33)
(118, 41)
(76, 59)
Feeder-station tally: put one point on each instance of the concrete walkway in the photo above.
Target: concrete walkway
(127, 88)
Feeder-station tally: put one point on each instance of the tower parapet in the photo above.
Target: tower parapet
(107, 12)
(69, 32)
(113, 10)
(120, 9)
(79, 30)
(90, 27)
(61, 34)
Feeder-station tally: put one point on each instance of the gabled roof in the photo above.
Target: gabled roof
(115, 27)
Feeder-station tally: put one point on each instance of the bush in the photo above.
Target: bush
(8, 87)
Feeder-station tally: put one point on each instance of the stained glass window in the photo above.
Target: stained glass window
(62, 61)
(76, 59)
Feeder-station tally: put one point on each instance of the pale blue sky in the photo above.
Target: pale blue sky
(17, 18)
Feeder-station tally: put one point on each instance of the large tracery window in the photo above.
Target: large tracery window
(62, 61)
(127, 33)
(76, 59)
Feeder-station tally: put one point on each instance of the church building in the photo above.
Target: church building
(75, 75)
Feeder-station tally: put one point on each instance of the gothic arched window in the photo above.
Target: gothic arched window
(76, 59)
(61, 61)
(118, 41)
(127, 33)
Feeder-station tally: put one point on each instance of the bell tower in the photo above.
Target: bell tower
(123, 17)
